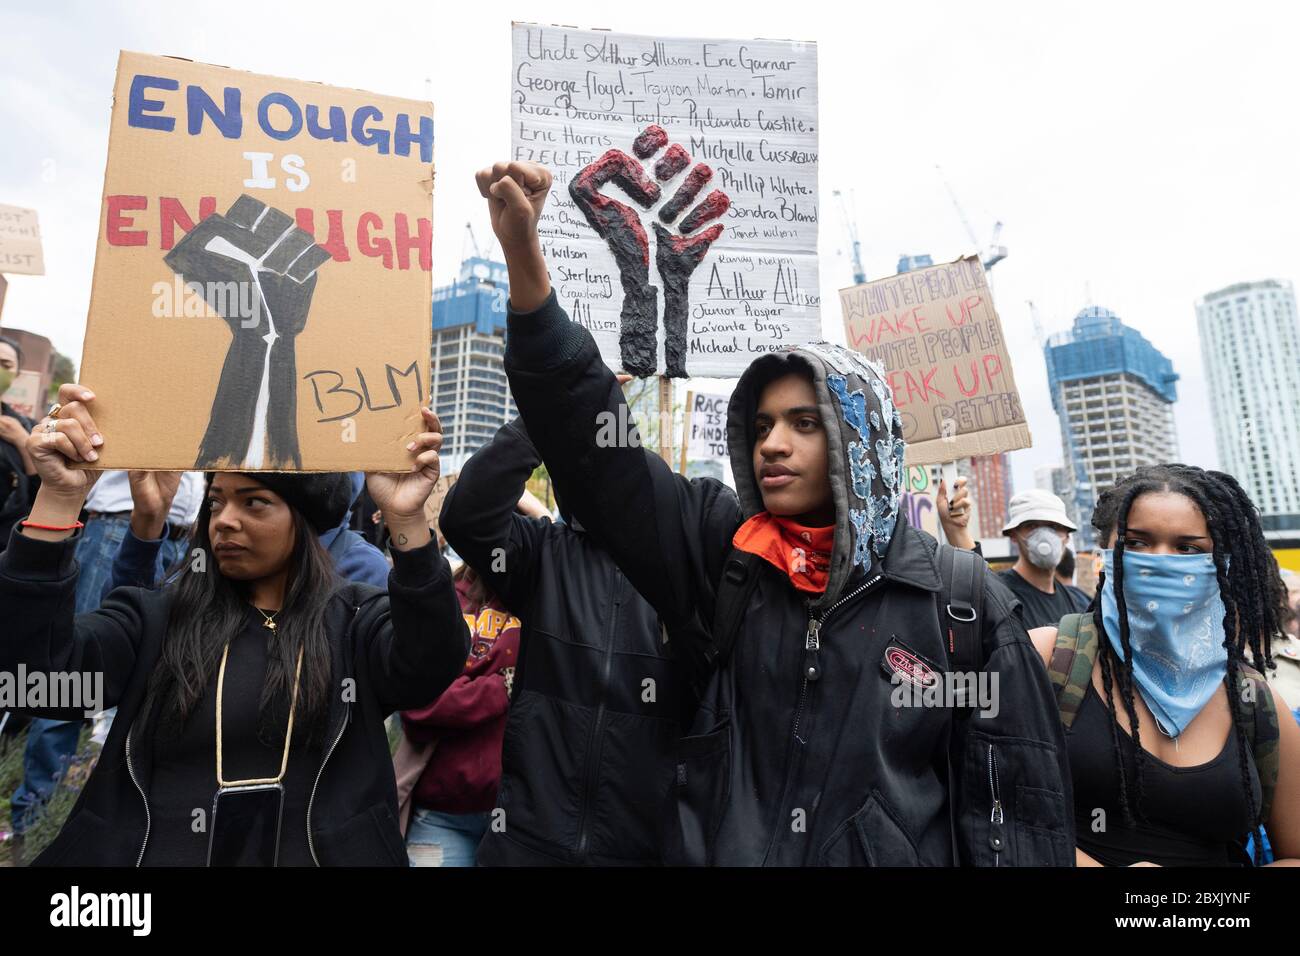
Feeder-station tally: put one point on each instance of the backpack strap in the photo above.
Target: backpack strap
(1070, 667)
(961, 605)
(1259, 723)
(739, 576)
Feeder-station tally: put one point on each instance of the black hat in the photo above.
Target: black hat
(322, 498)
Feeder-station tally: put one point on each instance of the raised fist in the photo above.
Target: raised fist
(258, 271)
(677, 254)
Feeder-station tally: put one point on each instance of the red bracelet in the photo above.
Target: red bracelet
(49, 527)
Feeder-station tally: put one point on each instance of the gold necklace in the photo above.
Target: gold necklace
(269, 623)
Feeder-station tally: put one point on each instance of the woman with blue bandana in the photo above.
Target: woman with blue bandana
(1175, 745)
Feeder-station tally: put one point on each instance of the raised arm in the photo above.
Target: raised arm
(38, 571)
(668, 535)
(480, 516)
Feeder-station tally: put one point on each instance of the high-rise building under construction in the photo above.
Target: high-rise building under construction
(1113, 392)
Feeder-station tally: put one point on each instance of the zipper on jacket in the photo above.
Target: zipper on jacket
(813, 645)
(996, 815)
(311, 845)
(347, 717)
(811, 671)
(593, 748)
(148, 818)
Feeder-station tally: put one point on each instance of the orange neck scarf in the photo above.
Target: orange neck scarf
(803, 553)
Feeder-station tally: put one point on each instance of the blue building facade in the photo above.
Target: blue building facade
(1113, 392)
(470, 391)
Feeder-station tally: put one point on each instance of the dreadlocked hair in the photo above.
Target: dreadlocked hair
(1254, 600)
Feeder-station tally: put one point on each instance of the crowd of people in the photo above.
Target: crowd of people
(666, 672)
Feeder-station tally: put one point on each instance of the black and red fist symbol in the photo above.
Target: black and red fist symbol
(677, 253)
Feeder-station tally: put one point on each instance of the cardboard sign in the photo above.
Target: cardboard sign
(262, 292)
(938, 337)
(20, 242)
(24, 395)
(920, 489)
(682, 226)
(708, 427)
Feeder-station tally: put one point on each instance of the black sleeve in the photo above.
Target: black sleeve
(481, 524)
(670, 536)
(38, 587)
(416, 640)
(1029, 766)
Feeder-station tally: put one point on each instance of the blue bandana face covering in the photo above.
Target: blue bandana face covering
(1175, 621)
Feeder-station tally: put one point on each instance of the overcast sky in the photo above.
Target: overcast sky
(1139, 154)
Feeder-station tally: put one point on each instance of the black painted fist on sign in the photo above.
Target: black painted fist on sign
(257, 270)
(677, 253)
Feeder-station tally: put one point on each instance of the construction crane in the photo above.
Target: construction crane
(471, 242)
(859, 274)
(993, 253)
(1039, 336)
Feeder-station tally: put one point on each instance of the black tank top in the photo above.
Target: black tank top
(1195, 816)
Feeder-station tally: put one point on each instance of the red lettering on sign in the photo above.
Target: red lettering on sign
(117, 227)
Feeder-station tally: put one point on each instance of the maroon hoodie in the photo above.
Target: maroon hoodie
(467, 723)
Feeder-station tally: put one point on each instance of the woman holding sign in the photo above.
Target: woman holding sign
(252, 691)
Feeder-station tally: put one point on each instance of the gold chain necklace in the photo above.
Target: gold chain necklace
(269, 623)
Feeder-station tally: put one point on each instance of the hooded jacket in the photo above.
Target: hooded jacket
(781, 769)
(394, 650)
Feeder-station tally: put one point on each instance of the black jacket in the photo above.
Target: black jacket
(780, 769)
(597, 706)
(399, 649)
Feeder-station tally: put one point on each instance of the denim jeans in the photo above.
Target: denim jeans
(456, 835)
(51, 744)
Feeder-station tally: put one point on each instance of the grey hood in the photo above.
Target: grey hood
(864, 434)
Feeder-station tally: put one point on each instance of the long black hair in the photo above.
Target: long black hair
(209, 609)
(1254, 601)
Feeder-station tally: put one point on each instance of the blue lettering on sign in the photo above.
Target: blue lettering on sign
(138, 106)
(369, 137)
(402, 138)
(337, 130)
(228, 120)
(201, 106)
(264, 116)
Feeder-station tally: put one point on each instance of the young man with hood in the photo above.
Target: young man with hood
(807, 747)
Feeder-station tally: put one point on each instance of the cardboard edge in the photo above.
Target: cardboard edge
(989, 441)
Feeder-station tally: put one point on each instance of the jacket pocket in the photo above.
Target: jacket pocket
(636, 761)
(369, 838)
(87, 840)
(1011, 814)
(874, 836)
(698, 797)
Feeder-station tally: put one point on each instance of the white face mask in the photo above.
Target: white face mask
(1043, 547)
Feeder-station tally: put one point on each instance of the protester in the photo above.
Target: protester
(18, 479)
(314, 666)
(1039, 526)
(800, 753)
(588, 754)
(465, 726)
(1189, 756)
